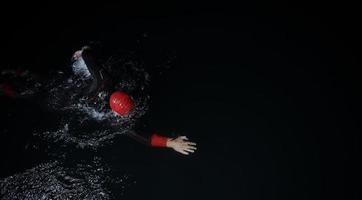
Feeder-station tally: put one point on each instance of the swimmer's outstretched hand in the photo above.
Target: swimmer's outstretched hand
(182, 145)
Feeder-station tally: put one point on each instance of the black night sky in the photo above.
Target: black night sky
(269, 91)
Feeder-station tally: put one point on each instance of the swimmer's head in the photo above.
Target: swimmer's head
(121, 103)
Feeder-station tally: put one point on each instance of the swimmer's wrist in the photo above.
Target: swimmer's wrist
(170, 143)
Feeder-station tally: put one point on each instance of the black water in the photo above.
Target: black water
(270, 96)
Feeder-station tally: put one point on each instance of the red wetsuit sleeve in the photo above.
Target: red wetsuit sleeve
(158, 141)
(7, 90)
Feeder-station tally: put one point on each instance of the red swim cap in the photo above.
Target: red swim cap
(121, 103)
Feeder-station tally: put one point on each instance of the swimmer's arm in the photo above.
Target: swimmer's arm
(180, 144)
(139, 138)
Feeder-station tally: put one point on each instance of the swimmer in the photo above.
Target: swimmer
(100, 84)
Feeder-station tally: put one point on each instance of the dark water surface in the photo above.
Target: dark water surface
(270, 98)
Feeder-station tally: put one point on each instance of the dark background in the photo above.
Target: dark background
(269, 91)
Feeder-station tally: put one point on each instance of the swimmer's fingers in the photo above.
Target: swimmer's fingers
(183, 152)
(191, 147)
(184, 138)
(191, 143)
(188, 148)
(191, 150)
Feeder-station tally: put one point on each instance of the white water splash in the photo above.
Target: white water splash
(58, 181)
(80, 68)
